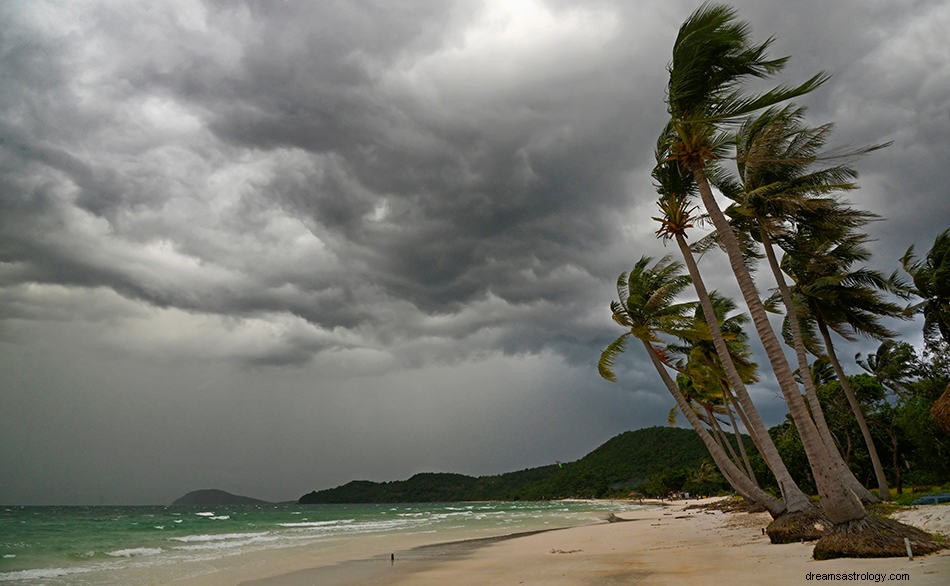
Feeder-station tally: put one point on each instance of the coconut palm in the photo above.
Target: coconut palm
(675, 186)
(777, 192)
(832, 296)
(931, 277)
(703, 374)
(893, 364)
(708, 404)
(646, 306)
(712, 56)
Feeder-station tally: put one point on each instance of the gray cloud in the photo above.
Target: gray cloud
(298, 205)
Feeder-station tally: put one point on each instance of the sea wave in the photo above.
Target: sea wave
(218, 537)
(228, 544)
(134, 552)
(40, 574)
(317, 523)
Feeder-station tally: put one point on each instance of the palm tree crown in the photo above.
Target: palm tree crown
(932, 279)
(646, 305)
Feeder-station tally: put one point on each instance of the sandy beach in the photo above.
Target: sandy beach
(657, 546)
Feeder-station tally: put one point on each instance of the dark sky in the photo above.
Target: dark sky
(271, 247)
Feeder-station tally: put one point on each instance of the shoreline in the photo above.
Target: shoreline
(668, 545)
(382, 569)
(341, 555)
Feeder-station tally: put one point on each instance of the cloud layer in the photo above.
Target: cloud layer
(234, 197)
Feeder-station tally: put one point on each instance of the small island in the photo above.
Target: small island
(213, 496)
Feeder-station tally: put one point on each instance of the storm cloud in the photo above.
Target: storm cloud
(271, 247)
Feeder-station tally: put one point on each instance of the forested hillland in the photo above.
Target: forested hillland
(623, 463)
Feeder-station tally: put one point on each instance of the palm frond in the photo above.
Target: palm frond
(608, 357)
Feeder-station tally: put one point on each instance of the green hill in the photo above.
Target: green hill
(617, 466)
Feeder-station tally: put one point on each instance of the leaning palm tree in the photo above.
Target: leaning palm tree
(675, 186)
(705, 375)
(893, 364)
(646, 306)
(931, 277)
(707, 401)
(777, 191)
(832, 296)
(712, 55)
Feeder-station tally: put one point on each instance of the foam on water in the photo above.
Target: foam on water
(317, 523)
(134, 552)
(218, 537)
(41, 574)
(229, 544)
(137, 543)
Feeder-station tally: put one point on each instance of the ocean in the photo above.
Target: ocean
(111, 545)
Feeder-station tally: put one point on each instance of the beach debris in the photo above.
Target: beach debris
(566, 550)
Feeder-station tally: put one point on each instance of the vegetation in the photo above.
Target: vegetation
(624, 463)
(786, 207)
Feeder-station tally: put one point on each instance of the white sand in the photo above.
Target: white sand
(671, 547)
(657, 547)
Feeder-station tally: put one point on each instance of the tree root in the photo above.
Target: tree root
(874, 537)
(799, 526)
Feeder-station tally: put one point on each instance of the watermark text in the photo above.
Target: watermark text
(858, 576)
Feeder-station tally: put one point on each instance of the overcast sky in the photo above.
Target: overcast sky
(271, 247)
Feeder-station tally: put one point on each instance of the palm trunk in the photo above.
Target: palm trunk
(723, 439)
(746, 424)
(839, 502)
(895, 458)
(739, 481)
(811, 392)
(858, 412)
(727, 400)
(795, 499)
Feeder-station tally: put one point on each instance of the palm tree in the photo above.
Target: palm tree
(893, 364)
(675, 186)
(832, 296)
(645, 307)
(712, 55)
(707, 406)
(779, 191)
(931, 277)
(704, 376)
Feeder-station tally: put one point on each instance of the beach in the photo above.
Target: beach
(669, 545)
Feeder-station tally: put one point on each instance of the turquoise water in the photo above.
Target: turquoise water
(87, 545)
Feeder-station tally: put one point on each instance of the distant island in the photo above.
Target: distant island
(213, 496)
(617, 467)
